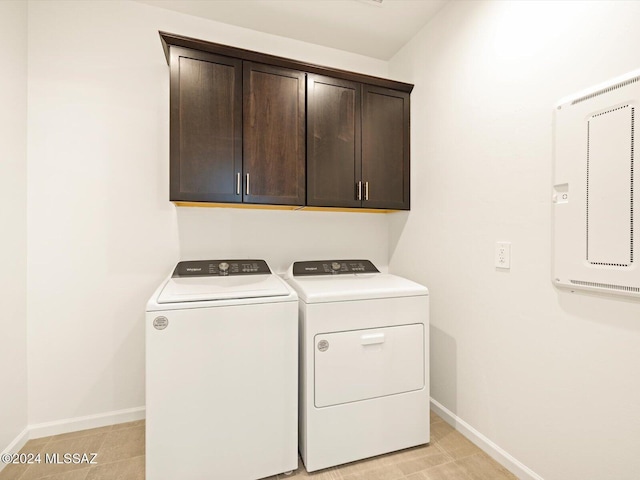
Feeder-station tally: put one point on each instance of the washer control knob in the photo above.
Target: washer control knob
(335, 266)
(223, 267)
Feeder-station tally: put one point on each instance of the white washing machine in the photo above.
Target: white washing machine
(364, 361)
(221, 373)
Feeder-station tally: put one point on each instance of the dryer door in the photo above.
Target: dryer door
(363, 364)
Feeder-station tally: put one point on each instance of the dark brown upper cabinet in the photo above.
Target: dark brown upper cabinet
(385, 148)
(274, 143)
(333, 142)
(206, 126)
(357, 145)
(248, 127)
(237, 131)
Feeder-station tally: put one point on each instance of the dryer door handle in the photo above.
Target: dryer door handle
(372, 338)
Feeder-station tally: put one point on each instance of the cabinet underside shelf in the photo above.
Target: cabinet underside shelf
(282, 207)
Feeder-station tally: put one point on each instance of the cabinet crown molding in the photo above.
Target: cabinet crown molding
(171, 39)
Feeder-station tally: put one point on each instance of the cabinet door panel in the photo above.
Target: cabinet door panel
(274, 140)
(333, 142)
(206, 126)
(385, 147)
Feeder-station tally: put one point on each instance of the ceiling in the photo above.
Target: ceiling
(366, 27)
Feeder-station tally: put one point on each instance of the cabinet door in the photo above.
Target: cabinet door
(206, 126)
(385, 148)
(274, 140)
(333, 142)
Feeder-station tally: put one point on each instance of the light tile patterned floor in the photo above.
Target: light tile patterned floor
(120, 450)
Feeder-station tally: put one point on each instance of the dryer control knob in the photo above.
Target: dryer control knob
(223, 267)
(335, 266)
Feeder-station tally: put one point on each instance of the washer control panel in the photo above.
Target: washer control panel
(333, 267)
(220, 268)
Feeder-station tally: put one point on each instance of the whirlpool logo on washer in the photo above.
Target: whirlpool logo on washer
(160, 323)
(323, 345)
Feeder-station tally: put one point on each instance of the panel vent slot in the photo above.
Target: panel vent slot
(608, 286)
(609, 187)
(606, 90)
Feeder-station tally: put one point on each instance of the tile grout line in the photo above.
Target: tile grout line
(453, 460)
(92, 467)
(116, 461)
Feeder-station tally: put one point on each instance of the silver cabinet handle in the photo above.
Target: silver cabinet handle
(247, 187)
(359, 190)
(366, 190)
(237, 183)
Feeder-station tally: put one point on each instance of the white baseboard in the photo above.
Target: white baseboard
(494, 451)
(82, 423)
(15, 445)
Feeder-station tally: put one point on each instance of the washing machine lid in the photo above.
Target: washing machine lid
(343, 280)
(209, 280)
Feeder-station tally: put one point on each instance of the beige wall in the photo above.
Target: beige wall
(548, 376)
(102, 231)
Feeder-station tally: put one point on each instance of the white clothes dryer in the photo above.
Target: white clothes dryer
(364, 361)
(221, 373)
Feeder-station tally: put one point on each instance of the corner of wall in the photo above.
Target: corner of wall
(13, 215)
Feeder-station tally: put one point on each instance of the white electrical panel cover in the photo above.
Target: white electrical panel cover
(593, 192)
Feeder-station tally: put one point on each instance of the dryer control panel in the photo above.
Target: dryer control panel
(333, 267)
(220, 268)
